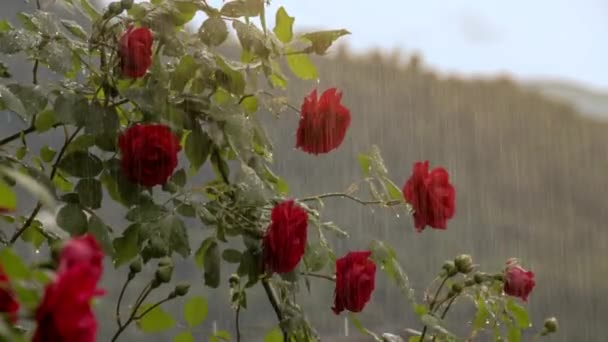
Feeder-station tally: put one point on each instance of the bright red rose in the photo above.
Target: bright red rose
(431, 195)
(65, 314)
(8, 302)
(518, 282)
(355, 281)
(285, 239)
(323, 122)
(135, 51)
(82, 250)
(149, 153)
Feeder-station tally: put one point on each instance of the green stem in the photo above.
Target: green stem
(122, 293)
(432, 305)
(445, 311)
(272, 297)
(140, 299)
(318, 275)
(351, 197)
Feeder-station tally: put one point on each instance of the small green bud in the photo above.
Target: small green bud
(115, 8)
(478, 277)
(464, 263)
(550, 325)
(126, 4)
(155, 283)
(166, 261)
(164, 273)
(469, 282)
(499, 277)
(135, 266)
(450, 268)
(234, 280)
(182, 289)
(456, 288)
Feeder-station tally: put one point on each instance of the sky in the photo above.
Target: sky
(529, 39)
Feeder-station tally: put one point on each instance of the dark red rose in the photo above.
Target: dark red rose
(65, 314)
(285, 239)
(8, 303)
(518, 282)
(135, 51)
(82, 250)
(149, 153)
(323, 122)
(431, 196)
(355, 281)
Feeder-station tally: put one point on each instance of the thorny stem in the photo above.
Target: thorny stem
(351, 197)
(54, 169)
(432, 305)
(272, 297)
(320, 276)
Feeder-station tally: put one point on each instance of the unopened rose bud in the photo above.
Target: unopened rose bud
(464, 263)
(114, 8)
(469, 282)
(135, 266)
(182, 289)
(478, 277)
(234, 280)
(551, 325)
(164, 273)
(126, 4)
(456, 288)
(450, 268)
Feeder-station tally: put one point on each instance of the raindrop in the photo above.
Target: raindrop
(397, 215)
(37, 251)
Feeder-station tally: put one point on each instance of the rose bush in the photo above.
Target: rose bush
(135, 92)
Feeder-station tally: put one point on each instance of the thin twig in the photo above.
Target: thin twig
(445, 311)
(140, 316)
(318, 275)
(238, 329)
(351, 197)
(140, 299)
(432, 305)
(53, 173)
(122, 293)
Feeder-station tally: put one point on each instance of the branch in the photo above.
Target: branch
(238, 329)
(140, 299)
(122, 293)
(272, 297)
(432, 305)
(351, 197)
(30, 219)
(159, 303)
(320, 276)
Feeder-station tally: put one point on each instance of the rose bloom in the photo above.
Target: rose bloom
(65, 313)
(519, 282)
(135, 51)
(8, 303)
(323, 122)
(355, 281)
(285, 239)
(148, 153)
(431, 196)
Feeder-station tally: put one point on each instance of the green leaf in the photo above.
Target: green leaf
(9, 101)
(231, 255)
(283, 25)
(13, 265)
(146, 212)
(126, 247)
(199, 255)
(301, 66)
(184, 336)
(514, 334)
(101, 232)
(155, 321)
(251, 39)
(32, 98)
(228, 77)
(519, 313)
(35, 186)
(322, 40)
(89, 192)
(211, 264)
(183, 73)
(74, 29)
(274, 335)
(8, 199)
(213, 31)
(361, 328)
(198, 147)
(393, 190)
(315, 258)
(72, 219)
(71, 109)
(195, 311)
(178, 236)
(47, 154)
(33, 234)
(81, 164)
(186, 210)
(250, 104)
(481, 316)
(179, 178)
(242, 8)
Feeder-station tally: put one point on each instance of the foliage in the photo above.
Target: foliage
(214, 105)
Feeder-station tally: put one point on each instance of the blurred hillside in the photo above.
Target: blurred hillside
(529, 170)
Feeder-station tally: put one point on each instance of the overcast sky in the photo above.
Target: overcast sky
(562, 39)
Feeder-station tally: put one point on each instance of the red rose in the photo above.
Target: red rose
(355, 280)
(8, 303)
(518, 282)
(285, 239)
(135, 51)
(149, 153)
(65, 314)
(431, 195)
(323, 122)
(82, 250)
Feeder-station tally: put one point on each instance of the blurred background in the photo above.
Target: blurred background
(510, 97)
